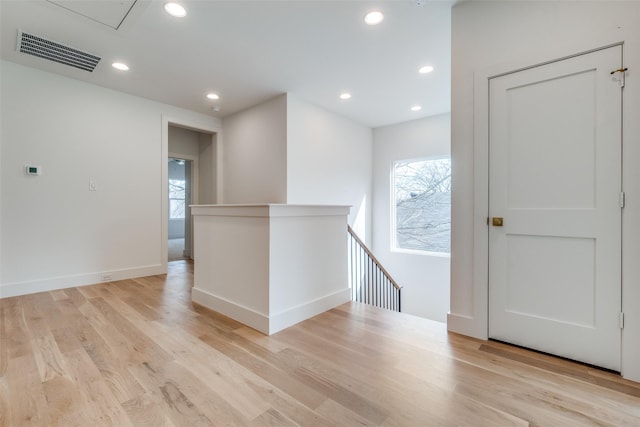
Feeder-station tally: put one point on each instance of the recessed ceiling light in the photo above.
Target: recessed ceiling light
(174, 9)
(213, 96)
(416, 108)
(374, 17)
(426, 69)
(120, 66)
(345, 96)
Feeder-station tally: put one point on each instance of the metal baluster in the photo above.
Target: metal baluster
(369, 281)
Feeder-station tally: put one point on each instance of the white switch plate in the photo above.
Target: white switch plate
(93, 186)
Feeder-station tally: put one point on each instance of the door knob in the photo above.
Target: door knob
(497, 221)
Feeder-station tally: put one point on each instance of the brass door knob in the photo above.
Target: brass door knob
(497, 221)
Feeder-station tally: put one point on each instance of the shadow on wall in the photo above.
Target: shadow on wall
(360, 219)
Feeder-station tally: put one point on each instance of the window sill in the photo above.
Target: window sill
(422, 253)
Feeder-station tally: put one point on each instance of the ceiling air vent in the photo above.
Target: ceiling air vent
(53, 51)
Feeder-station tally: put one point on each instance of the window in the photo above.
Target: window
(422, 208)
(176, 199)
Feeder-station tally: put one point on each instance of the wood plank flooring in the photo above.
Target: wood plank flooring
(138, 352)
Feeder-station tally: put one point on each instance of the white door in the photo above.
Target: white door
(555, 179)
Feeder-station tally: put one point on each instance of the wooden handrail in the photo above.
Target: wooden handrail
(373, 257)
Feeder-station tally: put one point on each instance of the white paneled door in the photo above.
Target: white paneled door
(555, 207)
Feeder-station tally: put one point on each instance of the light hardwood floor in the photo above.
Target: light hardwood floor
(137, 352)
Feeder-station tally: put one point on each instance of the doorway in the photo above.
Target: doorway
(190, 180)
(555, 221)
(179, 184)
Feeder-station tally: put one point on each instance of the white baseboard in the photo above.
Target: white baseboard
(54, 283)
(466, 325)
(270, 324)
(248, 316)
(293, 315)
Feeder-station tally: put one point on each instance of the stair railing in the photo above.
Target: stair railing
(370, 282)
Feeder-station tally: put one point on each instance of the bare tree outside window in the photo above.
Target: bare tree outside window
(176, 199)
(423, 205)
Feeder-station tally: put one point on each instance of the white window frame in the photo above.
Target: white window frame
(392, 205)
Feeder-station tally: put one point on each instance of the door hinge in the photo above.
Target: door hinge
(623, 73)
(621, 199)
(621, 320)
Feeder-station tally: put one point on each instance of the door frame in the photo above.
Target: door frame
(477, 323)
(216, 139)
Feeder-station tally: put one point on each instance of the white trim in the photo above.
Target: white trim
(630, 215)
(217, 140)
(284, 319)
(63, 282)
(420, 253)
(266, 324)
(466, 325)
(270, 210)
(242, 314)
(164, 195)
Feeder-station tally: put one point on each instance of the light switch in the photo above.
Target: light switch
(92, 186)
(33, 170)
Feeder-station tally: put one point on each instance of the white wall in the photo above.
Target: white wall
(208, 168)
(493, 37)
(184, 141)
(55, 232)
(254, 154)
(329, 161)
(425, 278)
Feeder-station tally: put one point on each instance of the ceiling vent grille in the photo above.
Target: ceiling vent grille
(47, 49)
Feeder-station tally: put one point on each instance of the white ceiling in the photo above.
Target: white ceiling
(250, 51)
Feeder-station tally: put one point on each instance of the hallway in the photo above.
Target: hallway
(138, 352)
